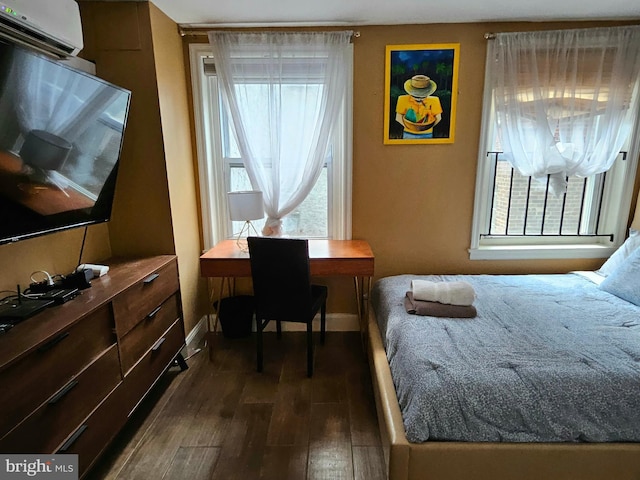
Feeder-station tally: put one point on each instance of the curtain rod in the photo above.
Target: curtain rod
(198, 31)
(489, 36)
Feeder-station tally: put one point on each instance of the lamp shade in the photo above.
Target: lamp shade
(246, 205)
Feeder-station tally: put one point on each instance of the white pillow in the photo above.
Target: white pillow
(625, 281)
(621, 254)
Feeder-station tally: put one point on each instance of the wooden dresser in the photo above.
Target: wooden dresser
(72, 375)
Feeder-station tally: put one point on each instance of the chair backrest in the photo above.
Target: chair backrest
(281, 278)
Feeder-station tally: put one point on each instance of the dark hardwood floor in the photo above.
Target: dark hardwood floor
(221, 419)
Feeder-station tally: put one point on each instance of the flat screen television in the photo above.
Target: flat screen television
(61, 134)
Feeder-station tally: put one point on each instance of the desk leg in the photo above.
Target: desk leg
(363, 290)
(366, 295)
(213, 310)
(212, 319)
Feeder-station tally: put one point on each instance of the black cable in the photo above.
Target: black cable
(84, 238)
(12, 295)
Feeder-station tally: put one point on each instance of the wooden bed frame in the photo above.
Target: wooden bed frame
(485, 461)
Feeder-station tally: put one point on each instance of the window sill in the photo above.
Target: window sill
(538, 252)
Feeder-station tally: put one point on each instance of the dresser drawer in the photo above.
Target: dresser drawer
(140, 339)
(90, 439)
(93, 436)
(133, 305)
(157, 359)
(32, 380)
(47, 427)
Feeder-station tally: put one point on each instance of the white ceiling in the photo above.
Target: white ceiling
(389, 12)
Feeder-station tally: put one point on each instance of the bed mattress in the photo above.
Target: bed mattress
(549, 358)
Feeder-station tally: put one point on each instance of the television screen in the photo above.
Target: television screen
(61, 133)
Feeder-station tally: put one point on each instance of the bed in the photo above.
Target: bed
(584, 433)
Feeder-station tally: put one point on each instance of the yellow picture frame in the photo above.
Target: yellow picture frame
(421, 92)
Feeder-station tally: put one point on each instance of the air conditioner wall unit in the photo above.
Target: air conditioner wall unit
(50, 26)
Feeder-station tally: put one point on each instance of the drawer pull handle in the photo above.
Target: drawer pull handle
(67, 445)
(154, 313)
(66, 389)
(150, 278)
(52, 343)
(158, 344)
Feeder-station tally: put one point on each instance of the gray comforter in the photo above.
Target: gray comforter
(549, 358)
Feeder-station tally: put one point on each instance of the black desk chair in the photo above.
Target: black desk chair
(282, 289)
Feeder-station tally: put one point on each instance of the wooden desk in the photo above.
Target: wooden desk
(327, 258)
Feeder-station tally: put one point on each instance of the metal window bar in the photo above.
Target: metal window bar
(604, 179)
(544, 215)
(562, 210)
(510, 200)
(544, 208)
(584, 192)
(526, 207)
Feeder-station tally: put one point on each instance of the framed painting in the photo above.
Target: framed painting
(421, 87)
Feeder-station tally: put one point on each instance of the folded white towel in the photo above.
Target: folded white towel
(450, 293)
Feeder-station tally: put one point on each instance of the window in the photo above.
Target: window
(325, 213)
(517, 217)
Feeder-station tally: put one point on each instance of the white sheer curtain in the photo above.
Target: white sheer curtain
(283, 91)
(565, 101)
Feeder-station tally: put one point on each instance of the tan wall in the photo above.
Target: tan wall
(155, 209)
(141, 222)
(414, 203)
(176, 133)
(636, 219)
(158, 212)
(156, 172)
(56, 253)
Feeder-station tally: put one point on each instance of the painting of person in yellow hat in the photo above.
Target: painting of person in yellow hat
(418, 111)
(421, 89)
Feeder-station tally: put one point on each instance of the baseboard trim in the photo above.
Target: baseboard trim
(197, 335)
(336, 322)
